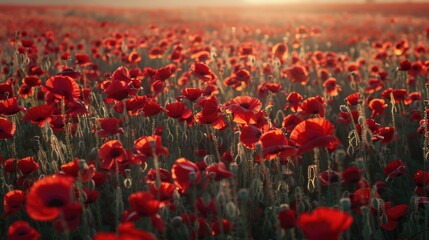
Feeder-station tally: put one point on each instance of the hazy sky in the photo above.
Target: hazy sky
(173, 3)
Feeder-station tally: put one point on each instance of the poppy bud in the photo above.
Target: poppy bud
(344, 108)
(243, 194)
(345, 203)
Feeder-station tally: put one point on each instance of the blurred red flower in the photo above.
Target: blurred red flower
(324, 223)
(21, 230)
(185, 173)
(13, 202)
(48, 197)
(7, 129)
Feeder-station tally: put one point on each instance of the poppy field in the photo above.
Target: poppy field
(214, 123)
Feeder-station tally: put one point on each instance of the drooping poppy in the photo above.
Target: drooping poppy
(48, 196)
(324, 223)
(394, 168)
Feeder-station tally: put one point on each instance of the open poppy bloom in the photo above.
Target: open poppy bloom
(27, 165)
(275, 142)
(10, 107)
(324, 223)
(192, 94)
(21, 230)
(353, 99)
(63, 87)
(296, 74)
(250, 135)
(7, 129)
(48, 197)
(39, 114)
(185, 174)
(202, 72)
(13, 202)
(244, 108)
(312, 133)
(109, 126)
(313, 106)
(179, 110)
(144, 145)
(165, 73)
(112, 152)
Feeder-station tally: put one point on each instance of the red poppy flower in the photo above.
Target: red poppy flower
(145, 144)
(238, 79)
(394, 168)
(378, 106)
(244, 108)
(344, 117)
(21, 230)
(386, 135)
(375, 85)
(219, 171)
(63, 87)
(165, 191)
(280, 51)
(165, 73)
(296, 74)
(311, 133)
(10, 107)
(127, 231)
(117, 90)
(202, 72)
(13, 202)
(250, 135)
(39, 114)
(69, 73)
(361, 197)
(112, 152)
(353, 99)
(421, 178)
(206, 207)
(313, 106)
(351, 174)
(27, 165)
(290, 122)
(287, 219)
(7, 129)
(109, 126)
(77, 166)
(178, 110)
(135, 104)
(326, 178)
(144, 203)
(6, 90)
(192, 94)
(25, 91)
(226, 227)
(394, 214)
(70, 219)
(134, 58)
(331, 87)
(164, 175)
(293, 100)
(48, 196)
(324, 223)
(404, 65)
(273, 143)
(82, 59)
(185, 173)
(151, 108)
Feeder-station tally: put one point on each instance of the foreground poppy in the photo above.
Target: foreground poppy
(21, 230)
(112, 152)
(48, 196)
(324, 223)
(244, 108)
(63, 87)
